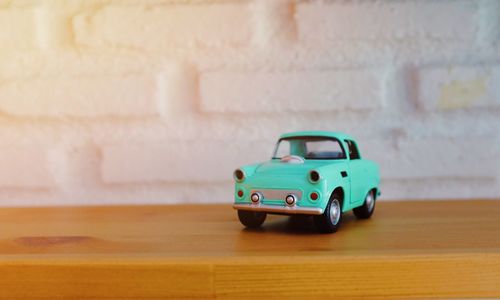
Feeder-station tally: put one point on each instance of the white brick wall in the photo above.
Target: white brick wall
(83, 96)
(460, 87)
(389, 20)
(285, 92)
(156, 27)
(18, 29)
(25, 167)
(157, 101)
(171, 161)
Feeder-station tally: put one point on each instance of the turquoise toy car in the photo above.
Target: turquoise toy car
(316, 173)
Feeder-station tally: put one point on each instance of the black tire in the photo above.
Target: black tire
(366, 210)
(251, 219)
(330, 220)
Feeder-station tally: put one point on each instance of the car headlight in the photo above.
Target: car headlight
(239, 175)
(314, 176)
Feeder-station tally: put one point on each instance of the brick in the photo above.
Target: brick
(489, 23)
(435, 158)
(83, 96)
(164, 26)
(313, 91)
(394, 20)
(273, 22)
(53, 27)
(25, 166)
(196, 161)
(451, 88)
(18, 29)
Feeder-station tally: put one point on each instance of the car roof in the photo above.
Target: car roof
(338, 135)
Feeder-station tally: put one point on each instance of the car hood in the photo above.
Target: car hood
(277, 167)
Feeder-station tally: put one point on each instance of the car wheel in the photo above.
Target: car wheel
(366, 210)
(251, 219)
(330, 220)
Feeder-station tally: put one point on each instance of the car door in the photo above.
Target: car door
(356, 173)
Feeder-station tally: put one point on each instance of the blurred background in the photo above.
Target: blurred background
(157, 101)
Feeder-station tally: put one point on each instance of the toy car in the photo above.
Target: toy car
(316, 173)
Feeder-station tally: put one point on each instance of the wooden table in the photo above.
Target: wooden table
(447, 249)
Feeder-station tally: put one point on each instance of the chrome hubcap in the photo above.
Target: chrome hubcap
(370, 201)
(335, 211)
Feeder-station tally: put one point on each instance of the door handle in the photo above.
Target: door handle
(343, 173)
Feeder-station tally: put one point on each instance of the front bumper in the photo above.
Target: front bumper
(292, 210)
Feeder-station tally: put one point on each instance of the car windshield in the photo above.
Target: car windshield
(309, 148)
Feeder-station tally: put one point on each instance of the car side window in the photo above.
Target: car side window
(353, 150)
(324, 149)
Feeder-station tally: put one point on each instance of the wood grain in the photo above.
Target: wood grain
(426, 249)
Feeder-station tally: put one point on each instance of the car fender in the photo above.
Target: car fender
(373, 178)
(333, 179)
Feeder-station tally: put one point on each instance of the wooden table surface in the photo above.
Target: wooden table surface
(445, 249)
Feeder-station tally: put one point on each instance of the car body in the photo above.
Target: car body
(317, 173)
